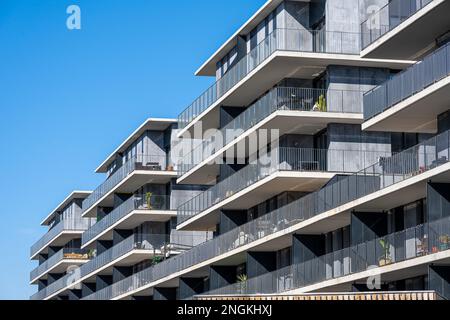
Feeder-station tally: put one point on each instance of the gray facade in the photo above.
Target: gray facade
(195, 240)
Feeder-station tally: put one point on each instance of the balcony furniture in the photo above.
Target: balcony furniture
(438, 162)
(154, 166)
(242, 239)
(444, 242)
(422, 247)
(309, 166)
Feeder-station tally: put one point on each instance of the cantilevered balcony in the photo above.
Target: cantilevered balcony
(310, 214)
(130, 214)
(304, 170)
(60, 234)
(283, 53)
(403, 28)
(136, 248)
(384, 252)
(59, 262)
(287, 109)
(412, 100)
(134, 173)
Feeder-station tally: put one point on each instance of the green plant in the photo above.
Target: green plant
(148, 200)
(386, 257)
(322, 103)
(156, 260)
(242, 278)
(92, 253)
(242, 283)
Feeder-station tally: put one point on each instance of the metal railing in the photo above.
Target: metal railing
(71, 224)
(279, 40)
(136, 202)
(65, 253)
(162, 245)
(138, 162)
(281, 159)
(388, 17)
(400, 246)
(407, 83)
(278, 99)
(387, 171)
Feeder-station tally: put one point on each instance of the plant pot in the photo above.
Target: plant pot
(384, 261)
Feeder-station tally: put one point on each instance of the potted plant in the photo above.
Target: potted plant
(321, 104)
(156, 260)
(92, 253)
(385, 259)
(242, 283)
(148, 200)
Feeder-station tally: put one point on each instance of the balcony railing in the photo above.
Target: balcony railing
(136, 202)
(278, 99)
(413, 80)
(139, 162)
(161, 245)
(388, 17)
(387, 171)
(400, 246)
(66, 253)
(71, 224)
(285, 159)
(279, 40)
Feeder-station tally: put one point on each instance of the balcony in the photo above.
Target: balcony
(134, 249)
(59, 262)
(388, 33)
(130, 214)
(136, 172)
(283, 222)
(283, 53)
(389, 250)
(60, 234)
(292, 169)
(412, 100)
(283, 108)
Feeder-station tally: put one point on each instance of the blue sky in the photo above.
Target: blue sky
(68, 98)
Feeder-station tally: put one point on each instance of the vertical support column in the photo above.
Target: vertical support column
(103, 282)
(231, 219)
(165, 294)
(75, 294)
(439, 280)
(102, 246)
(259, 263)
(305, 248)
(87, 289)
(103, 212)
(120, 235)
(120, 273)
(221, 276)
(190, 287)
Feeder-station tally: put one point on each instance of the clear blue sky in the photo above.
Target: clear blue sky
(68, 98)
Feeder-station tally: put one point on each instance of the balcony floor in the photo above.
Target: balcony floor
(424, 27)
(287, 122)
(130, 184)
(280, 65)
(417, 113)
(256, 193)
(132, 220)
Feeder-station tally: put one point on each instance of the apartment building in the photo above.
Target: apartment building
(317, 163)
(128, 221)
